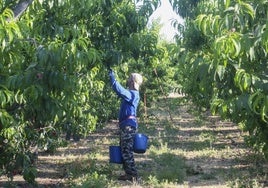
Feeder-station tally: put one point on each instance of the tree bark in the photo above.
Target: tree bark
(20, 8)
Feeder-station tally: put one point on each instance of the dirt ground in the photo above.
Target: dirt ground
(213, 149)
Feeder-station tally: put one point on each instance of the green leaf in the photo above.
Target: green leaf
(32, 65)
(6, 96)
(200, 21)
(264, 111)
(246, 81)
(252, 54)
(9, 131)
(29, 174)
(220, 71)
(257, 101)
(32, 93)
(227, 3)
(248, 9)
(237, 46)
(240, 80)
(215, 25)
(215, 105)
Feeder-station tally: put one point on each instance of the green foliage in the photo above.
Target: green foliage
(185, 8)
(226, 68)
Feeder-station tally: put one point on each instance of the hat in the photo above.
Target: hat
(137, 79)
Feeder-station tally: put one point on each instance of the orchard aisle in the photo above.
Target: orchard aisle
(193, 150)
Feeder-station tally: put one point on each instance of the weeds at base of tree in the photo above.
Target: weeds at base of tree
(156, 183)
(245, 182)
(94, 179)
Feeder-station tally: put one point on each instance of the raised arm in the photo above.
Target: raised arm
(118, 88)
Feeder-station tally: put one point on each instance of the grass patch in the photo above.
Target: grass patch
(92, 180)
(245, 182)
(170, 167)
(88, 171)
(166, 166)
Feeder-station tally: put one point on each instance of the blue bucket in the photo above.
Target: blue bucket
(115, 154)
(140, 143)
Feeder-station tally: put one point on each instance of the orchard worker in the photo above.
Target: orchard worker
(128, 125)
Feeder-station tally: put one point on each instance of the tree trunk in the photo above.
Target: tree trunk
(20, 8)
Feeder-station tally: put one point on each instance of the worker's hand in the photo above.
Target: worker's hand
(112, 77)
(111, 72)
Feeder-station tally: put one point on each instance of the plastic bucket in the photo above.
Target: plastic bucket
(140, 143)
(115, 154)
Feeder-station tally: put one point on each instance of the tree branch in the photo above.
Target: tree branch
(20, 8)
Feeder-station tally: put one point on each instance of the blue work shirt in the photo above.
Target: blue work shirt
(129, 104)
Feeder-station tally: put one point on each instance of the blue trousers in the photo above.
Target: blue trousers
(126, 142)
